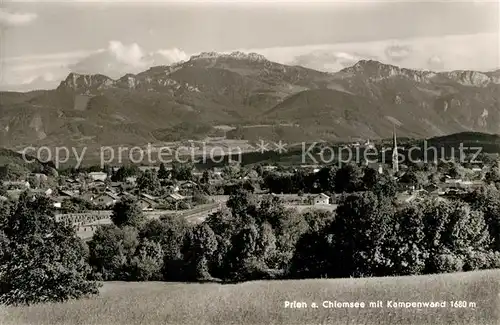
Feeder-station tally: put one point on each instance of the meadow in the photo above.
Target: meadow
(262, 302)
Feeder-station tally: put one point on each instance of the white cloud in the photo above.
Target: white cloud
(14, 19)
(119, 59)
(435, 63)
(398, 52)
(472, 52)
(47, 70)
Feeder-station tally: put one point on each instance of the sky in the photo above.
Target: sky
(42, 41)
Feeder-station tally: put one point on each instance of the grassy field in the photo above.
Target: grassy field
(263, 302)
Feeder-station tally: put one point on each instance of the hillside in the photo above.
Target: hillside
(244, 90)
(15, 162)
(262, 302)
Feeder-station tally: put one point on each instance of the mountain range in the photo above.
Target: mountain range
(246, 96)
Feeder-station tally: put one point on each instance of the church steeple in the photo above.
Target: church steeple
(395, 160)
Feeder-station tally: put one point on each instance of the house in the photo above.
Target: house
(147, 168)
(131, 179)
(41, 177)
(187, 185)
(57, 202)
(19, 185)
(149, 197)
(434, 189)
(43, 192)
(217, 171)
(269, 168)
(116, 184)
(146, 204)
(176, 196)
(106, 199)
(124, 194)
(472, 184)
(321, 199)
(14, 194)
(67, 193)
(98, 176)
(375, 165)
(369, 144)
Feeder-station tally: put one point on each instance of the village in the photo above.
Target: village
(86, 199)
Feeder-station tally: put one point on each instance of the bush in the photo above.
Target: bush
(111, 249)
(445, 262)
(147, 262)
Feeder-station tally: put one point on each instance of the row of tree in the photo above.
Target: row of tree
(371, 234)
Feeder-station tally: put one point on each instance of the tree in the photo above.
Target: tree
(147, 262)
(75, 205)
(127, 212)
(487, 200)
(348, 179)
(169, 231)
(163, 173)
(182, 172)
(386, 187)
(34, 181)
(244, 245)
(241, 203)
(312, 257)
(492, 176)
(12, 172)
(326, 179)
(111, 249)
(200, 245)
(410, 253)
(148, 182)
(205, 178)
(452, 231)
(370, 178)
(409, 178)
(455, 226)
(41, 260)
(362, 232)
(124, 172)
(288, 225)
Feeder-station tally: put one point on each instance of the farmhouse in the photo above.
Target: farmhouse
(41, 177)
(131, 179)
(43, 192)
(57, 202)
(67, 193)
(176, 197)
(148, 168)
(187, 184)
(321, 199)
(146, 204)
(106, 199)
(16, 185)
(98, 176)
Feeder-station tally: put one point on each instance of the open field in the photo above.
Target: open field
(262, 302)
(309, 207)
(196, 214)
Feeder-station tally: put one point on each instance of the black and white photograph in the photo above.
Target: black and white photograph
(287, 162)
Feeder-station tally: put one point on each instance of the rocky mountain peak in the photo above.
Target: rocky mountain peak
(238, 55)
(472, 78)
(376, 71)
(76, 81)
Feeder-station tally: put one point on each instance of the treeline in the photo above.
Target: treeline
(370, 234)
